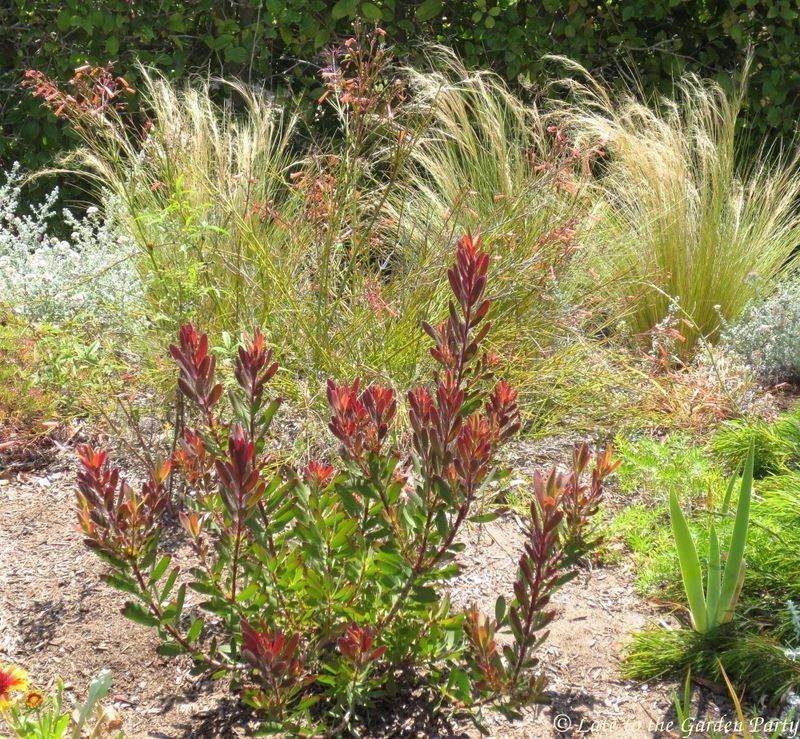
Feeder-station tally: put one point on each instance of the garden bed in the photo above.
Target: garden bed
(443, 412)
(59, 619)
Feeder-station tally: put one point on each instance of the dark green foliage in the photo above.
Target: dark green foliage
(272, 42)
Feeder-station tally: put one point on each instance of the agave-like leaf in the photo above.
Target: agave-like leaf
(734, 567)
(714, 576)
(727, 616)
(691, 573)
(726, 503)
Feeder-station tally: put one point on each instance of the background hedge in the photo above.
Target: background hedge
(277, 41)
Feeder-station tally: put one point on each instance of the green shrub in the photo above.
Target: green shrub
(712, 598)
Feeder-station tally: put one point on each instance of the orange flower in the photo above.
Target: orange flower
(34, 699)
(13, 679)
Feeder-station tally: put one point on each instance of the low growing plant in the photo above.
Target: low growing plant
(774, 444)
(751, 660)
(28, 713)
(767, 335)
(323, 589)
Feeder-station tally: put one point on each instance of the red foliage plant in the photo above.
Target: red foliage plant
(317, 587)
(94, 91)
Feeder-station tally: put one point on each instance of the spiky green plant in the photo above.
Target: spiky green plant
(716, 604)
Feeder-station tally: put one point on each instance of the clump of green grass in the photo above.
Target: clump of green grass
(683, 213)
(775, 444)
(752, 661)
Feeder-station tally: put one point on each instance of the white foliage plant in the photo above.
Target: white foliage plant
(54, 280)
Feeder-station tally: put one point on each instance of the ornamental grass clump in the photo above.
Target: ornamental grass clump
(320, 592)
(684, 214)
(331, 237)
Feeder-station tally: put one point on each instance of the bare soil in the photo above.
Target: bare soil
(58, 618)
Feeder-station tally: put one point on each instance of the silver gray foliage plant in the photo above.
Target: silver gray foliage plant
(54, 280)
(767, 336)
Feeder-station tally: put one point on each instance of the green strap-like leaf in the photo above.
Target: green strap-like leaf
(714, 577)
(690, 565)
(733, 567)
(726, 503)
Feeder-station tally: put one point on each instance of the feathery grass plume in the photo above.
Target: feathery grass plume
(484, 156)
(681, 211)
(186, 179)
(338, 247)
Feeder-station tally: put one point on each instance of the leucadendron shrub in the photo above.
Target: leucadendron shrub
(324, 590)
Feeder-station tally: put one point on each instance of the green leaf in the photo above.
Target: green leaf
(731, 579)
(484, 518)
(136, 612)
(170, 649)
(169, 584)
(159, 569)
(249, 591)
(124, 583)
(343, 8)
(429, 9)
(204, 587)
(728, 493)
(370, 11)
(690, 565)
(424, 595)
(441, 524)
(459, 685)
(194, 630)
(98, 690)
(500, 609)
(236, 54)
(714, 573)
